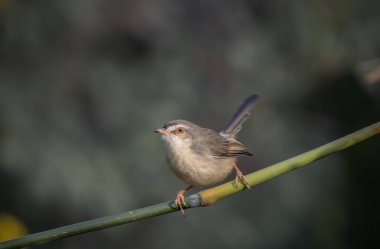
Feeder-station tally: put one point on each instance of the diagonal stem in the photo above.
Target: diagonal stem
(203, 198)
(212, 195)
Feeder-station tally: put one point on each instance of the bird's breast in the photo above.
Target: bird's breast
(196, 169)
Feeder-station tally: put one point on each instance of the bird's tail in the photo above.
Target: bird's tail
(239, 117)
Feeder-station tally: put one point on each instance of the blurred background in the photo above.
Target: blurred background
(83, 83)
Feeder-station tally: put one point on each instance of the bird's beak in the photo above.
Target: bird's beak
(161, 131)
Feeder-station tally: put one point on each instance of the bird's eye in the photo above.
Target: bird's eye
(179, 130)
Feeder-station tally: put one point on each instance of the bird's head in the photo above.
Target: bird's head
(178, 133)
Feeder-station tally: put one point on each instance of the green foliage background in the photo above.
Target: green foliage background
(83, 83)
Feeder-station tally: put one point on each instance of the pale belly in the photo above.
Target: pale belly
(200, 170)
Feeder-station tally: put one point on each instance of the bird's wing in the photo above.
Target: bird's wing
(211, 143)
(236, 148)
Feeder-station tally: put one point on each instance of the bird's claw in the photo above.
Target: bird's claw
(240, 176)
(180, 202)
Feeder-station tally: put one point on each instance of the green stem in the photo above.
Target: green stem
(203, 198)
(212, 195)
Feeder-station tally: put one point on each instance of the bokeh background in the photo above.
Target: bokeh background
(83, 83)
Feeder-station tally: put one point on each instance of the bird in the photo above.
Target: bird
(201, 156)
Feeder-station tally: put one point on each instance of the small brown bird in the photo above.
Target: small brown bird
(201, 156)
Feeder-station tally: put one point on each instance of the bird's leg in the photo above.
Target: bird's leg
(240, 176)
(180, 199)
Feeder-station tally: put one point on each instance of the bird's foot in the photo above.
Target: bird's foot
(240, 176)
(180, 201)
